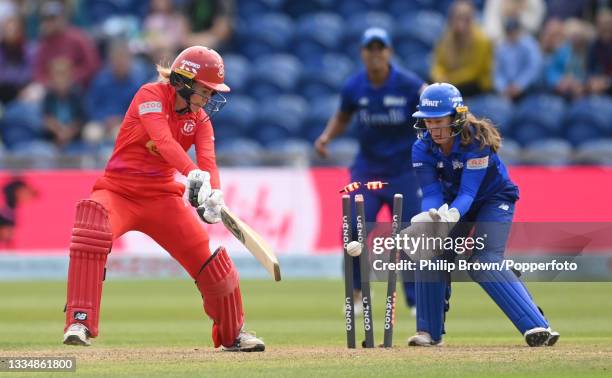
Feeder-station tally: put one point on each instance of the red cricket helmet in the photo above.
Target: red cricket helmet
(203, 65)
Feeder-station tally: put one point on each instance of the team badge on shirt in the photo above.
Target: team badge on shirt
(188, 127)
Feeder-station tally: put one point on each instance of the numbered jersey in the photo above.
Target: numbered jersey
(384, 121)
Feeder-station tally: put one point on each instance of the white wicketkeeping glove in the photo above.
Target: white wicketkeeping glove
(446, 219)
(198, 187)
(210, 211)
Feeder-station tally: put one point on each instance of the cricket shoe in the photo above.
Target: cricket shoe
(537, 337)
(246, 342)
(553, 338)
(77, 334)
(423, 339)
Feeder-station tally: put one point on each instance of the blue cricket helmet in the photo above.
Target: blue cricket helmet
(441, 100)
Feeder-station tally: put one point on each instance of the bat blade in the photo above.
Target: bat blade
(253, 242)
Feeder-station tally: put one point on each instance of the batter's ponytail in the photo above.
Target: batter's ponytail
(163, 73)
(482, 130)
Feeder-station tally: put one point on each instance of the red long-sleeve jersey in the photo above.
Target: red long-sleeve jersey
(153, 138)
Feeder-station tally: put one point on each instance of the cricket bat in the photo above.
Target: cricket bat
(253, 242)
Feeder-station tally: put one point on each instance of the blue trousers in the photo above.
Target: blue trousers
(374, 200)
(490, 221)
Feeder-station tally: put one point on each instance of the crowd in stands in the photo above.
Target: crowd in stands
(540, 69)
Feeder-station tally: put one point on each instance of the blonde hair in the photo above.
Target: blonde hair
(484, 132)
(163, 73)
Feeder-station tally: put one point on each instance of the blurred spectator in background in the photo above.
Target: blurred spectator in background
(16, 59)
(567, 71)
(58, 39)
(16, 192)
(111, 92)
(464, 55)
(518, 61)
(529, 12)
(165, 30)
(63, 113)
(211, 22)
(600, 56)
(8, 9)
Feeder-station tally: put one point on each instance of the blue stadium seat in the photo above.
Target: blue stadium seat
(255, 8)
(21, 123)
(342, 151)
(297, 9)
(42, 154)
(424, 27)
(319, 112)
(552, 151)
(595, 152)
(273, 75)
(266, 33)
(280, 119)
(236, 118)
(350, 8)
(544, 110)
(237, 71)
(241, 151)
(326, 74)
(496, 108)
(593, 110)
(526, 133)
(318, 33)
(510, 151)
(419, 64)
(580, 132)
(291, 152)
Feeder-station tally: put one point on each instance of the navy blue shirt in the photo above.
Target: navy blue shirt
(384, 121)
(465, 178)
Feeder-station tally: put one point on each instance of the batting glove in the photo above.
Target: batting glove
(211, 210)
(198, 187)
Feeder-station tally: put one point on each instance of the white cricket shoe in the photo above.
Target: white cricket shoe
(77, 334)
(553, 338)
(537, 337)
(246, 342)
(423, 339)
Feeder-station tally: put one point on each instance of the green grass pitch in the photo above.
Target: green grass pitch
(157, 328)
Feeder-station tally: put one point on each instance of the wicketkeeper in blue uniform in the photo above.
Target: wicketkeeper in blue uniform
(463, 180)
(383, 97)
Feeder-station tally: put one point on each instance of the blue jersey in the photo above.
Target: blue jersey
(384, 121)
(464, 179)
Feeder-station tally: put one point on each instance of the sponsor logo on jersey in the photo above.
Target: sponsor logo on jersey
(188, 127)
(440, 164)
(150, 107)
(79, 315)
(504, 206)
(478, 163)
(457, 164)
(394, 101)
(428, 102)
(417, 164)
(364, 101)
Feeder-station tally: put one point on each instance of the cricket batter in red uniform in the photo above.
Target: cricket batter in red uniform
(138, 192)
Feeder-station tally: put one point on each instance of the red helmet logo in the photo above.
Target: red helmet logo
(203, 65)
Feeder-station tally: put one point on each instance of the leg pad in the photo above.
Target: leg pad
(218, 282)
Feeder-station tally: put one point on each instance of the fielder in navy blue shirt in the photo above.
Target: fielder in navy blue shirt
(382, 97)
(463, 178)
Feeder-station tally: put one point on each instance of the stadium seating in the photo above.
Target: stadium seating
(595, 152)
(552, 151)
(318, 33)
(236, 119)
(280, 119)
(273, 75)
(496, 108)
